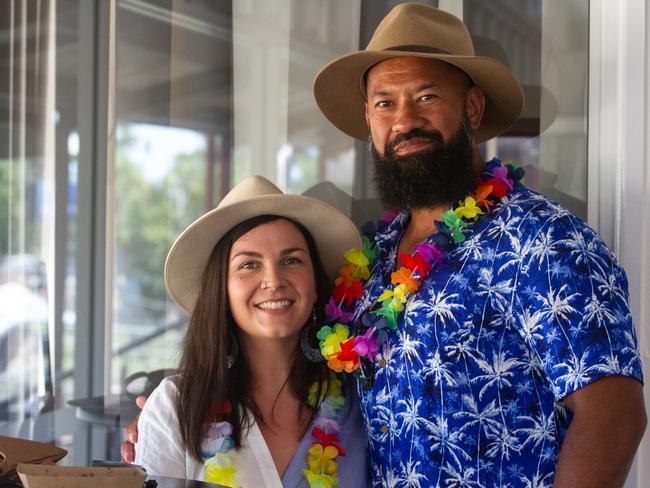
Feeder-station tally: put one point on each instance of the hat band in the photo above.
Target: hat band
(417, 49)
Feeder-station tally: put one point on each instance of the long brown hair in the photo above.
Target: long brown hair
(205, 383)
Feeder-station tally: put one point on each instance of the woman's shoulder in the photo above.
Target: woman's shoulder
(158, 428)
(163, 396)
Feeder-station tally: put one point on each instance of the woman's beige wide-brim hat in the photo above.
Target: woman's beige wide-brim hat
(417, 30)
(332, 231)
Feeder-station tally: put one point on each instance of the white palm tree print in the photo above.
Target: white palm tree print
(531, 307)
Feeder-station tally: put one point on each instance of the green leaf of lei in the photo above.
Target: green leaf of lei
(387, 311)
(369, 249)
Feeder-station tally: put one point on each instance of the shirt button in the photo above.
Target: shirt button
(382, 362)
(384, 429)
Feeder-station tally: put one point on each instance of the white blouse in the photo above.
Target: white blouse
(160, 450)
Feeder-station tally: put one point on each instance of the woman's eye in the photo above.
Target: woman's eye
(248, 265)
(292, 260)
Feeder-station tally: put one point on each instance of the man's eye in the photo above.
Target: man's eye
(383, 104)
(427, 97)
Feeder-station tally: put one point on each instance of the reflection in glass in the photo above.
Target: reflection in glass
(26, 222)
(546, 46)
(207, 92)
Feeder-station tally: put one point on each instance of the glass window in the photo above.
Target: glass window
(39, 145)
(545, 43)
(202, 93)
(208, 93)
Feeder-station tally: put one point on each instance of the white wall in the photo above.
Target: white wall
(619, 153)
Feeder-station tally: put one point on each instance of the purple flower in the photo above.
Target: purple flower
(366, 345)
(389, 215)
(329, 426)
(501, 174)
(220, 429)
(429, 252)
(335, 313)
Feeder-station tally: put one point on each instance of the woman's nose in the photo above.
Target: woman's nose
(272, 278)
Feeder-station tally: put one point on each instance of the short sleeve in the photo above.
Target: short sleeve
(573, 310)
(159, 449)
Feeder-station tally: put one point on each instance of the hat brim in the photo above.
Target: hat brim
(333, 233)
(338, 93)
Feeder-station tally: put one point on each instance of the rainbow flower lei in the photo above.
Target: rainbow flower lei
(345, 352)
(219, 453)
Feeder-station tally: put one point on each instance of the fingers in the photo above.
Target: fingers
(132, 431)
(128, 452)
(127, 449)
(140, 401)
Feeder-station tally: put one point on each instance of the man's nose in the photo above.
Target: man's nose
(407, 118)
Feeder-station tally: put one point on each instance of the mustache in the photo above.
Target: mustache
(433, 136)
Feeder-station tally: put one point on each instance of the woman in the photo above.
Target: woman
(253, 405)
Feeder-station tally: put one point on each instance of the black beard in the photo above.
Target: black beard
(439, 174)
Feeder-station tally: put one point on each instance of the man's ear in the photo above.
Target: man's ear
(475, 106)
(365, 112)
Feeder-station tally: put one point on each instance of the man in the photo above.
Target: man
(515, 362)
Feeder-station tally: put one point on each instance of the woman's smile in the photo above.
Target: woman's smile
(275, 305)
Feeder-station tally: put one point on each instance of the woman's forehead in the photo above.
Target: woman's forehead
(280, 233)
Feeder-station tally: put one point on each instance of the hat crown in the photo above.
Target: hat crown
(420, 27)
(251, 187)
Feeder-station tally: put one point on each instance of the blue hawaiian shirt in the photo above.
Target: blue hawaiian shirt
(531, 307)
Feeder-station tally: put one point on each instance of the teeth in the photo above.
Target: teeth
(276, 305)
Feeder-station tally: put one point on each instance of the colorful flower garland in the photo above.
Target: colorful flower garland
(219, 453)
(344, 352)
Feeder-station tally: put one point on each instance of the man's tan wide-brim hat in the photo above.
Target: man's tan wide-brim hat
(412, 29)
(332, 231)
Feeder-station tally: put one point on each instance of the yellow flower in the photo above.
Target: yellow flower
(221, 476)
(220, 469)
(328, 388)
(397, 305)
(385, 295)
(400, 292)
(356, 257)
(322, 460)
(470, 210)
(334, 387)
(320, 480)
(361, 272)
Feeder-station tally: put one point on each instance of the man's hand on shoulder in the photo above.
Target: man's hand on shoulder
(127, 448)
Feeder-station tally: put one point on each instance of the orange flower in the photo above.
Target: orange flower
(482, 194)
(403, 276)
(346, 276)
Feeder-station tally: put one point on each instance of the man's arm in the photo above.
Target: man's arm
(608, 423)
